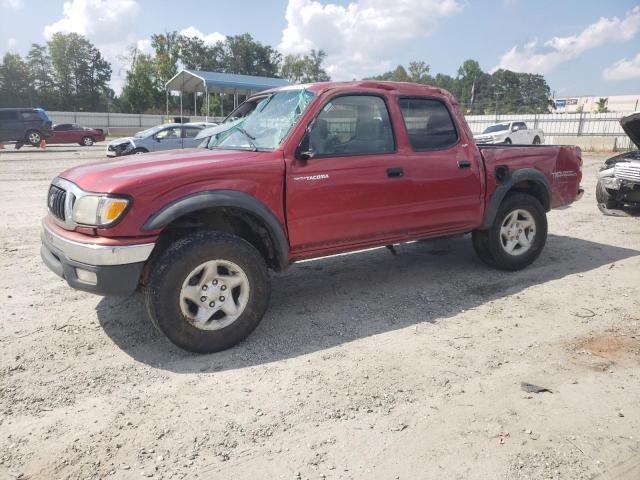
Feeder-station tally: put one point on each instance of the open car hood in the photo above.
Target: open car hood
(631, 126)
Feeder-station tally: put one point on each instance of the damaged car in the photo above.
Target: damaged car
(618, 188)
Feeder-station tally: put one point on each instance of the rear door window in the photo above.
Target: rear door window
(428, 123)
(30, 116)
(191, 132)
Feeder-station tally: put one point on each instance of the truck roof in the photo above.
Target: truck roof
(398, 88)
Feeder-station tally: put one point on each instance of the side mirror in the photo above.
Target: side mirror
(515, 128)
(155, 137)
(303, 152)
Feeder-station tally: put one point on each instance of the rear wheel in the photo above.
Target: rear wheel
(516, 237)
(34, 137)
(208, 291)
(86, 141)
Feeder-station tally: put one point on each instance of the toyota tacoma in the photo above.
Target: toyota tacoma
(313, 170)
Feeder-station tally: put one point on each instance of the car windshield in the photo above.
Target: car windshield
(265, 127)
(496, 128)
(149, 131)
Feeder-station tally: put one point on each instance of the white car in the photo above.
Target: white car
(511, 133)
(169, 136)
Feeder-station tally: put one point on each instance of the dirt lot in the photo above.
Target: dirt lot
(365, 366)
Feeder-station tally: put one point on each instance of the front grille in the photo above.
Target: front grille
(55, 201)
(628, 171)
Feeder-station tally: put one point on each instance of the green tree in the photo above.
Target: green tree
(143, 89)
(41, 72)
(399, 74)
(419, 73)
(80, 73)
(304, 69)
(14, 82)
(447, 82)
(194, 54)
(167, 53)
(243, 55)
(601, 105)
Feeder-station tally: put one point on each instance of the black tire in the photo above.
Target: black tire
(536, 140)
(33, 137)
(604, 198)
(488, 243)
(174, 265)
(87, 141)
(480, 239)
(136, 151)
(507, 141)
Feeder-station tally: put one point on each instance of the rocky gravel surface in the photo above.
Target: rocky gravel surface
(366, 365)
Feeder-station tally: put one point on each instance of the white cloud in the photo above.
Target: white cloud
(109, 24)
(144, 46)
(362, 38)
(11, 42)
(13, 4)
(209, 39)
(623, 69)
(531, 58)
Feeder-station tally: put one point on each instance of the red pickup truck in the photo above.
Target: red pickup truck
(313, 170)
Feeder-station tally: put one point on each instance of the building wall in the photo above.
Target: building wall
(616, 103)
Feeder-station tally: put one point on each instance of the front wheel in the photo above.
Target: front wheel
(507, 141)
(138, 151)
(208, 291)
(516, 237)
(604, 198)
(536, 140)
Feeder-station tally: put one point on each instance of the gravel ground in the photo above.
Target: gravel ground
(365, 366)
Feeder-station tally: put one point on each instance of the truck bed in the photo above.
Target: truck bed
(560, 164)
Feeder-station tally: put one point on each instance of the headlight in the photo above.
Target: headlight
(99, 210)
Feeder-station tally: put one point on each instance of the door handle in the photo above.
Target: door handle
(464, 164)
(395, 172)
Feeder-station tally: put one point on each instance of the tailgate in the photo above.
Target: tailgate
(560, 164)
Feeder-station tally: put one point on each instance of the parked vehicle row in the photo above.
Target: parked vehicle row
(516, 133)
(311, 171)
(168, 136)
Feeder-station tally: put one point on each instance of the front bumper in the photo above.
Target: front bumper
(101, 269)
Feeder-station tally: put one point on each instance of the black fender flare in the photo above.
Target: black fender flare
(221, 199)
(520, 175)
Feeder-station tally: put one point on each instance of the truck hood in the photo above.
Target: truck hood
(124, 174)
(631, 126)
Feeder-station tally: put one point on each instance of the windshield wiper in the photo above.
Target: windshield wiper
(249, 136)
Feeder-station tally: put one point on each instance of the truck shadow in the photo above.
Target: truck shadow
(324, 303)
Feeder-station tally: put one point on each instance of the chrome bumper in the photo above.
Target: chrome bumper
(91, 254)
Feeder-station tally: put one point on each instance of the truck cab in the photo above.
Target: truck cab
(312, 170)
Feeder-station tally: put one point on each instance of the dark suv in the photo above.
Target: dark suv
(24, 125)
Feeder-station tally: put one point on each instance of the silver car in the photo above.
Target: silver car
(169, 136)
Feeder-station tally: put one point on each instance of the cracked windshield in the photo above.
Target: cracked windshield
(267, 126)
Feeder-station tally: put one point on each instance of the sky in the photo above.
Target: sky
(582, 47)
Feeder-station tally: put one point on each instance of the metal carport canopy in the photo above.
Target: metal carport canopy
(200, 81)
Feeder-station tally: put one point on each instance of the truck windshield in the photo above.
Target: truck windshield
(497, 128)
(267, 126)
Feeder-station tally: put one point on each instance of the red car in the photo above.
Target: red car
(73, 133)
(313, 170)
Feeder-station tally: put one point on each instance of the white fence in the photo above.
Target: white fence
(555, 125)
(109, 121)
(558, 125)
